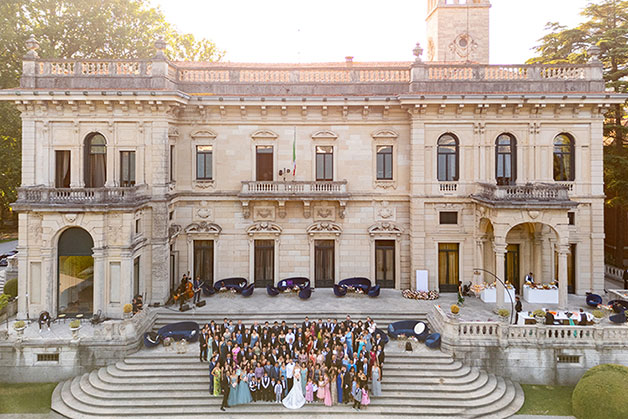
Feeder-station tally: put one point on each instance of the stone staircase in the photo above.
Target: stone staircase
(161, 383)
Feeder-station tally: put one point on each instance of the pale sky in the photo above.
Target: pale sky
(292, 31)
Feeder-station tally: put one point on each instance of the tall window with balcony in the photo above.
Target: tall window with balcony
(324, 163)
(62, 169)
(384, 162)
(127, 168)
(564, 158)
(204, 155)
(95, 160)
(264, 163)
(506, 160)
(447, 164)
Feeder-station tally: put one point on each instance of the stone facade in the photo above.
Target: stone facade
(144, 234)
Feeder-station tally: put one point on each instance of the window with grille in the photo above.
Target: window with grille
(48, 357)
(568, 359)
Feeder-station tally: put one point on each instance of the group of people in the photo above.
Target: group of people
(329, 361)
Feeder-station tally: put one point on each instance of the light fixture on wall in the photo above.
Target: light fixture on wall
(283, 172)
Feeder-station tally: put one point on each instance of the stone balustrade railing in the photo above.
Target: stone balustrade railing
(80, 196)
(294, 188)
(507, 72)
(120, 68)
(614, 272)
(454, 332)
(525, 193)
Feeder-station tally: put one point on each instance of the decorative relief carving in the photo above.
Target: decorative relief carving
(384, 134)
(70, 217)
(204, 212)
(324, 135)
(173, 231)
(325, 213)
(264, 134)
(385, 184)
(173, 132)
(386, 212)
(264, 213)
(205, 133)
(264, 227)
(203, 227)
(35, 228)
(114, 228)
(204, 184)
(385, 227)
(324, 227)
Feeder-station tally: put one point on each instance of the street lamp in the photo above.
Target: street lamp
(512, 303)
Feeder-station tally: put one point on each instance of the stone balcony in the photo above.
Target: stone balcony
(84, 199)
(537, 195)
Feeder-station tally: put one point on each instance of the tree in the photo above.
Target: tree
(606, 27)
(80, 29)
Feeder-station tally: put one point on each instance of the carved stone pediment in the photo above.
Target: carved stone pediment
(324, 135)
(324, 227)
(204, 133)
(264, 134)
(385, 227)
(173, 231)
(264, 227)
(384, 134)
(203, 227)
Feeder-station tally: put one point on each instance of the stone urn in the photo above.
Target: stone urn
(75, 326)
(19, 329)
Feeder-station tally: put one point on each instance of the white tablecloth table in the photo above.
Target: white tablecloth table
(560, 317)
(534, 295)
(489, 295)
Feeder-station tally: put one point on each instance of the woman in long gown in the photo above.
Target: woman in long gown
(295, 399)
(303, 376)
(333, 386)
(217, 373)
(233, 393)
(377, 381)
(320, 394)
(326, 391)
(243, 390)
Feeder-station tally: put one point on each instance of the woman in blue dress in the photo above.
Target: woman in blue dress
(303, 376)
(339, 386)
(349, 341)
(233, 393)
(243, 391)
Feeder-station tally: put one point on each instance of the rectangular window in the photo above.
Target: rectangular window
(324, 163)
(448, 217)
(264, 163)
(264, 263)
(385, 263)
(204, 162)
(62, 169)
(127, 168)
(384, 162)
(448, 266)
(568, 359)
(572, 218)
(136, 276)
(324, 269)
(571, 269)
(204, 260)
(171, 166)
(48, 357)
(137, 226)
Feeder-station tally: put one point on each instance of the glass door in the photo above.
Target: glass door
(264, 263)
(324, 267)
(448, 263)
(385, 263)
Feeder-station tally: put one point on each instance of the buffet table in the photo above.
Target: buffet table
(540, 295)
(560, 318)
(489, 295)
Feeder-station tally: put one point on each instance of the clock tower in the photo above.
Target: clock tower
(457, 31)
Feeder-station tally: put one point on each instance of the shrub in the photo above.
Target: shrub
(10, 288)
(127, 308)
(600, 393)
(538, 313)
(4, 300)
(502, 312)
(598, 314)
(455, 309)
(74, 324)
(19, 324)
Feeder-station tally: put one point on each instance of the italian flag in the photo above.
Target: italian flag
(294, 153)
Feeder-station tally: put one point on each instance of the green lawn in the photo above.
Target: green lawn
(26, 397)
(546, 400)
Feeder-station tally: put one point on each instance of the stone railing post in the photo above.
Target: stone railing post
(29, 64)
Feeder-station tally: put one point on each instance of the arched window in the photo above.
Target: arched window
(506, 159)
(564, 161)
(95, 160)
(75, 284)
(447, 158)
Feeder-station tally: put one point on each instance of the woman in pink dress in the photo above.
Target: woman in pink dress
(365, 396)
(309, 391)
(327, 391)
(320, 394)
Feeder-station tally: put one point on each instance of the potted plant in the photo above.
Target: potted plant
(75, 325)
(19, 327)
(504, 314)
(127, 309)
(539, 315)
(455, 310)
(598, 315)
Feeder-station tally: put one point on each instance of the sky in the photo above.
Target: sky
(293, 31)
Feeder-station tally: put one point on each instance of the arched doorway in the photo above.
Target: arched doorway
(75, 274)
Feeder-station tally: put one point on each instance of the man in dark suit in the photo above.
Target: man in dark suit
(306, 323)
(202, 341)
(196, 287)
(226, 388)
(224, 326)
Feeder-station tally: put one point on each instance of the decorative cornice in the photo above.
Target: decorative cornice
(264, 227)
(204, 133)
(324, 227)
(324, 135)
(384, 134)
(264, 134)
(203, 227)
(385, 227)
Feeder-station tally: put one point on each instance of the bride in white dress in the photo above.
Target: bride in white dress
(295, 399)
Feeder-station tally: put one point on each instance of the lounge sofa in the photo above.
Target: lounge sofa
(176, 331)
(305, 290)
(235, 283)
(340, 289)
(248, 290)
(418, 329)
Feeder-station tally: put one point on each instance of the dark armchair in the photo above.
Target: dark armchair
(593, 300)
(248, 290)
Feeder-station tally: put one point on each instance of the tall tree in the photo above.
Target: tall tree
(606, 26)
(78, 29)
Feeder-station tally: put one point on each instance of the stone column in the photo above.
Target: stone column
(479, 261)
(99, 279)
(538, 258)
(500, 268)
(563, 282)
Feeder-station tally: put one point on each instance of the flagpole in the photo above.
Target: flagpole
(294, 154)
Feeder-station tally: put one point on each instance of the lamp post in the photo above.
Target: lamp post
(512, 303)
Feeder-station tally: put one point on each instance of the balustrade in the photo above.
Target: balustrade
(528, 192)
(294, 188)
(46, 196)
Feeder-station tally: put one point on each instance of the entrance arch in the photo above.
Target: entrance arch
(75, 272)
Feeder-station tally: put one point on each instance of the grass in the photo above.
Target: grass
(546, 400)
(26, 397)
